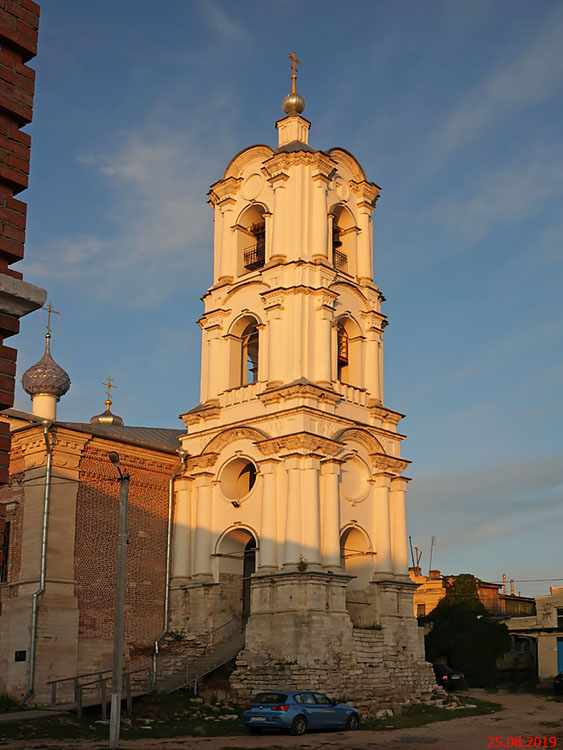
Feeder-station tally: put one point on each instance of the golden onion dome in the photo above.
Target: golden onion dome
(293, 104)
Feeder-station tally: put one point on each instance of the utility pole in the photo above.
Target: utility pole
(117, 676)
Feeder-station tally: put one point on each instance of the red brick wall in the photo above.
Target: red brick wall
(96, 546)
(19, 24)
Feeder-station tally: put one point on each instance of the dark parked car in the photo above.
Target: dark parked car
(298, 711)
(558, 682)
(447, 678)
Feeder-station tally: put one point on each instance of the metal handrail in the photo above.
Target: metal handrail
(78, 676)
(340, 259)
(254, 256)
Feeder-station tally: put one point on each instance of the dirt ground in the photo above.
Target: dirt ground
(523, 716)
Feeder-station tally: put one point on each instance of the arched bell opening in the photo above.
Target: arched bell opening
(236, 553)
(348, 364)
(244, 352)
(344, 234)
(251, 239)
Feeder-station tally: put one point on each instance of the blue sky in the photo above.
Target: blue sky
(454, 108)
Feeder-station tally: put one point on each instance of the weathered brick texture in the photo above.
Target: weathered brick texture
(96, 551)
(19, 25)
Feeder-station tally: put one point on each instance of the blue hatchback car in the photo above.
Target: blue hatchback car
(298, 711)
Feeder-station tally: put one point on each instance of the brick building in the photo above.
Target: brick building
(19, 24)
(75, 612)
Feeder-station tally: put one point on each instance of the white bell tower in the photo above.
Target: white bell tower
(292, 516)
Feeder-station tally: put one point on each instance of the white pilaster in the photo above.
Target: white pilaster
(330, 227)
(202, 553)
(310, 511)
(292, 547)
(216, 370)
(398, 519)
(217, 242)
(381, 528)
(330, 538)
(323, 349)
(280, 218)
(268, 225)
(319, 219)
(181, 547)
(371, 372)
(275, 346)
(365, 245)
(268, 524)
(227, 253)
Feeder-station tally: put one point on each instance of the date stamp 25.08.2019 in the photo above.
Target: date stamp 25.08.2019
(522, 742)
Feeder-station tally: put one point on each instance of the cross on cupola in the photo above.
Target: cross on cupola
(293, 103)
(50, 311)
(294, 63)
(109, 385)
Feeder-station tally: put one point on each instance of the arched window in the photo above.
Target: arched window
(249, 355)
(342, 354)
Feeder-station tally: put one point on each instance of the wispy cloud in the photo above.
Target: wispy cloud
(488, 503)
(154, 237)
(225, 24)
(513, 192)
(528, 78)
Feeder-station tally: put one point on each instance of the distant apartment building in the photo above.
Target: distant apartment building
(432, 588)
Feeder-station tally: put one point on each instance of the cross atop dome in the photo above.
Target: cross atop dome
(294, 103)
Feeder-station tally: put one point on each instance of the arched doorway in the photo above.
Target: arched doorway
(237, 562)
(356, 559)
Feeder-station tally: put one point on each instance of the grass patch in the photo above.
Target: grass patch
(179, 714)
(7, 703)
(171, 715)
(423, 713)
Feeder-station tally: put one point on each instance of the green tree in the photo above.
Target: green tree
(461, 630)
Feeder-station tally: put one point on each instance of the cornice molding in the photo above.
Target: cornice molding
(385, 464)
(302, 443)
(224, 190)
(213, 319)
(232, 434)
(198, 464)
(203, 413)
(366, 193)
(387, 415)
(286, 159)
(294, 390)
(375, 321)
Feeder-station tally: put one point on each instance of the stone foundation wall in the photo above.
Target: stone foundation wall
(369, 676)
(301, 637)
